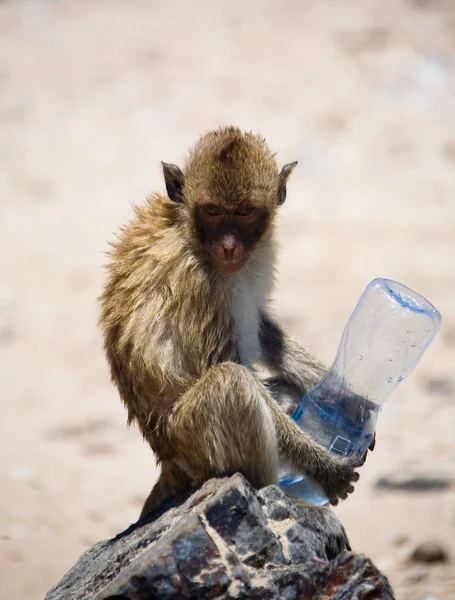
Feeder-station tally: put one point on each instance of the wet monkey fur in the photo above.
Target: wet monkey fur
(185, 319)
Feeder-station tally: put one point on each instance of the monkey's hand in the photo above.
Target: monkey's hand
(336, 478)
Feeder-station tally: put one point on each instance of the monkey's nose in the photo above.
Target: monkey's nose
(229, 246)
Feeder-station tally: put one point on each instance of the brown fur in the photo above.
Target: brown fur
(182, 363)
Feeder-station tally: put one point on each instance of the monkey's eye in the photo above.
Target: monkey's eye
(245, 211)
(212, 211)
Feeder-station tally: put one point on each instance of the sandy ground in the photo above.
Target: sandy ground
(92, 96)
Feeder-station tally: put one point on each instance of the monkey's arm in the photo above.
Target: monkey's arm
(296, 370)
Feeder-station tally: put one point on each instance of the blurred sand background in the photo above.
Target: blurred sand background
(92, 96)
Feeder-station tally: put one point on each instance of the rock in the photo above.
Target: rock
(429, 552)
(413, 482)
(400, 540)
(444, 386)
(226, 541)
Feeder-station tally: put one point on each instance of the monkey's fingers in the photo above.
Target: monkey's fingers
(373, 443)
(341, 481)
(370, 447)
(343, 495)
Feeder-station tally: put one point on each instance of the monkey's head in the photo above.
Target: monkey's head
(229, 192)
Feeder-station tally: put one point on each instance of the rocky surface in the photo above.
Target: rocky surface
(429, 552)
(226, 541)
(408, 481)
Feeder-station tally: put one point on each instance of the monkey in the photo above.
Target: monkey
(186, 321)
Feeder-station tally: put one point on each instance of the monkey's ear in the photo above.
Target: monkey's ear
(173, 178)
(283, 177)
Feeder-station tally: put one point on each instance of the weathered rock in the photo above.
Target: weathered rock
(414, 482)
(429, 552)
(444, 386)
(226, 541)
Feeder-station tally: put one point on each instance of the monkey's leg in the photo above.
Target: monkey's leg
(222, 425)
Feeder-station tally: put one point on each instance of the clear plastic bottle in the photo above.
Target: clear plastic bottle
(384, 339)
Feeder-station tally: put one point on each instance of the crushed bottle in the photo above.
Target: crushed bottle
(382, 342)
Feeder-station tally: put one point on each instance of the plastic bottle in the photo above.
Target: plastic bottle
(384, 339)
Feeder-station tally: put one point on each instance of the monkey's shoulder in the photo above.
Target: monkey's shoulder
(151, 225)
